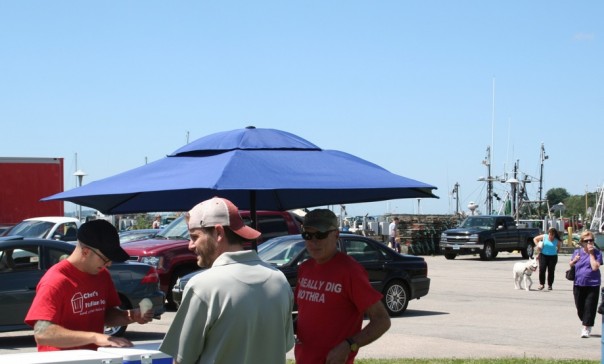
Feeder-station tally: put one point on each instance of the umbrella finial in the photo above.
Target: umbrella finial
(250, 127)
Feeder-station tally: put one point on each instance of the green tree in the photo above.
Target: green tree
(579, 204)
(556, 195)
(143, 221)
(575, 205)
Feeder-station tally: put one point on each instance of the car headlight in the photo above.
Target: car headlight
(153, 261)
(473, 238)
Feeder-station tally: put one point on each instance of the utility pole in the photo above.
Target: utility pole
(79, 174)
(455, 193)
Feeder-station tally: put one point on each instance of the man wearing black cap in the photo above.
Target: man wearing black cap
(76, 298)
(239, 310)
(333, 294)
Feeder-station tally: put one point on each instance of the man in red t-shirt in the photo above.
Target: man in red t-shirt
(333, 294)
(76, 297)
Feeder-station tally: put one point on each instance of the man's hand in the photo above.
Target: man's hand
(136, 316)
(47, 333)
(117, 342)
(339, 354)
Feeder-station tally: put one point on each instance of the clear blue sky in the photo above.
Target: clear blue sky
(405, 84)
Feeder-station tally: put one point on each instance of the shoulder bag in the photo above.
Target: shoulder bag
(570, 274)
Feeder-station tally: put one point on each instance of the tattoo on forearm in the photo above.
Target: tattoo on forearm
(41, 325)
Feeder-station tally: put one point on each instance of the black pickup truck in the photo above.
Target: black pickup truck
(487, 235)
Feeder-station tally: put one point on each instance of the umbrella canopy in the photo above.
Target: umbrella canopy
(257, 169)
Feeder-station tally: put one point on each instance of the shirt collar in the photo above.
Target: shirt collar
(236, 257)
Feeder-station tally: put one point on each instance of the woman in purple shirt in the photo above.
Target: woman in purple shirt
(586, 260)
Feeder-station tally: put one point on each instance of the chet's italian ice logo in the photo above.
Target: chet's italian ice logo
(77, 301)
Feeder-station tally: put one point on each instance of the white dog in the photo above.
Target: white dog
(522, 273)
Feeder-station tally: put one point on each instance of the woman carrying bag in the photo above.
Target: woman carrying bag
(586, 287)
(549, 245)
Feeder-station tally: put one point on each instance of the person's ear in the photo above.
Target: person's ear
(85, 251)
(219, 231)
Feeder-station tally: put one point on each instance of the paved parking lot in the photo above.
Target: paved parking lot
(472, 311)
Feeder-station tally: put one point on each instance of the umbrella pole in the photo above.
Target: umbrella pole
(253, 217)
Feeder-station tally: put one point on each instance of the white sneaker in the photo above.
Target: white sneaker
(585, 331)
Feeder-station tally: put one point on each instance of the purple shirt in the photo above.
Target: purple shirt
(584, 275)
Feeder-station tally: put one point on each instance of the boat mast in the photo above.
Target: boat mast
(596, 222)
(543, 158)
(487, 162)
(488, 159)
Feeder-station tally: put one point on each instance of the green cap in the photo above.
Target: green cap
(321, 219)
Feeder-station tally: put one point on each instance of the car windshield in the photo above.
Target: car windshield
(280, 251)
(177, 230)
(477, 222)
(31, 229)
(128, 236)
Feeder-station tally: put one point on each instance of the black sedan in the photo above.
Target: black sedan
(399, 277)
(24, 261)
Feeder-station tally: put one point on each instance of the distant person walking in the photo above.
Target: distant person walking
(586, 289)
(393, 235)
(549, 244)
(157, 222)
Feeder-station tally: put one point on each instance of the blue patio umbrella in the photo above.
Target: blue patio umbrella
(257, 169)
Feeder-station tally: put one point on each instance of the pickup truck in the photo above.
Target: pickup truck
(487, 235)
(169, 253)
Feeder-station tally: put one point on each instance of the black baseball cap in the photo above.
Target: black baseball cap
(101, 235)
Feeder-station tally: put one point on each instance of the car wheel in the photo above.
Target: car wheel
(115, 330)
(450, 255)
(489, 252)
(171, 305)
(528, 251)
(396, 298)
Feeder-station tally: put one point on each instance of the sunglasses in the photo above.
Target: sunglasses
(318, 235)
(588, 240)
(105, 260)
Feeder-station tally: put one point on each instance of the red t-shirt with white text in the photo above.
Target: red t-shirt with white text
(73, 299)
(332, 298)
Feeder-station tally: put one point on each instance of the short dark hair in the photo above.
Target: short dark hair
(233, 238)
